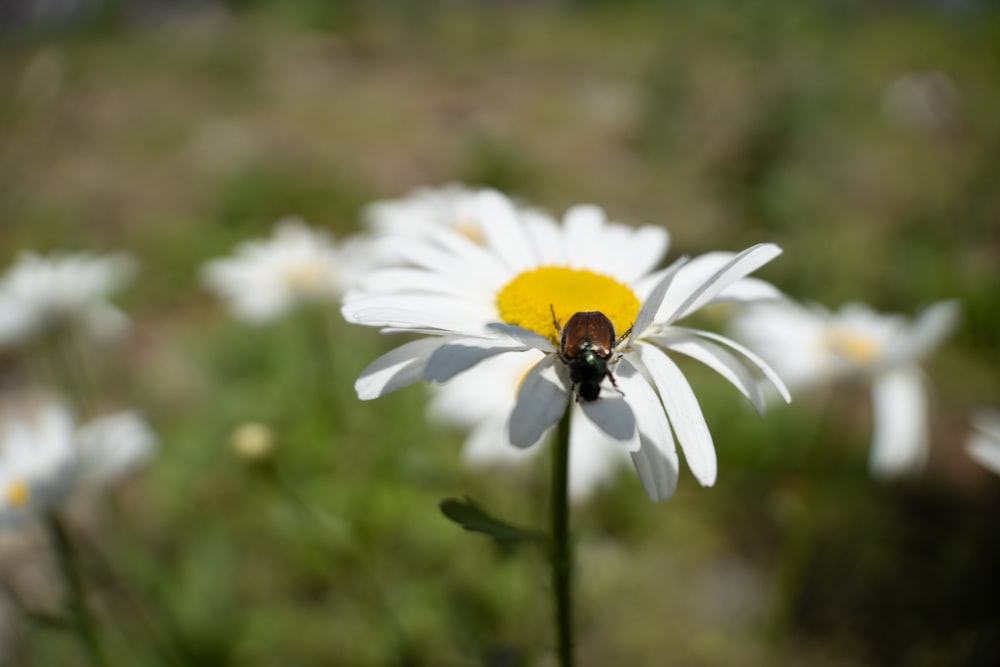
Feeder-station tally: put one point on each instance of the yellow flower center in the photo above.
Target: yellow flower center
(852, 346)
(304, 278)
(18, 494)
(529, 299)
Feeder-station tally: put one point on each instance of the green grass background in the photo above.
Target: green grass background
(175, 134)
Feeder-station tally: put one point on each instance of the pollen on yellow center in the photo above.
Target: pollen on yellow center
(858, 349)
(17, 494)
(528, 300)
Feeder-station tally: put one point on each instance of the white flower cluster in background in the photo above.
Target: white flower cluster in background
(45, 456)
(809, 346)
(39, 294)
(298, 265)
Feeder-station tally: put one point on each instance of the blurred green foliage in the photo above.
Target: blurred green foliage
(862, 139)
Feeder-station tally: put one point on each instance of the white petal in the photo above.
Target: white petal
(929, 330)
(899, 444)
(646, 248)
(984, 446)
(738, 267)
(683, 411)
(113, 446)
(397, 368)
(656, 462)
(486, 445)
(581, 225)
(409, 279)
(749, 357)
(526, 336)
(612, 414)
(546, 237)
(987, 421)
(657, 469)
(652, 303)
(718, 359)
(461, 354)
(504, 231)
(419, 311)
(541, 401)
(15, 320)
(594, 461)
(748, 290)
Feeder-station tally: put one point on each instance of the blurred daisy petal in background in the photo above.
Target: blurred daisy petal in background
(983, 444)
(113, 446)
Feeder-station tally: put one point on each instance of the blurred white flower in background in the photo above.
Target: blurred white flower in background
(424, 211)
(44, 456)
(499, 294)
(808, 346)
(422, 214)
(113, 446)
(265, 279)
(42, 293)
(983, 444)
(38, 460)
(926, 100)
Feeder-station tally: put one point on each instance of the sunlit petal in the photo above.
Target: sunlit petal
(684, 413)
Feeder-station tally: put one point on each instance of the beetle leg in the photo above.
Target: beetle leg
(621, 339)
(555, 320)
(615, 384)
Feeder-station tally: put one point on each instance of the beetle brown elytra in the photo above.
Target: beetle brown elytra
(587, 344)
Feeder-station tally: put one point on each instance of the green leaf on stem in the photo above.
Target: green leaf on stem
(470, 515)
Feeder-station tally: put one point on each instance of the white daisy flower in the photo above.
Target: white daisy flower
(38, 460)
(984, 443)
(41, 293)
(424, 211)
(113, 446)
(809, 345)
(482, 403)
(45, 457)
(528, 277)
(422, 215)
(265, 279)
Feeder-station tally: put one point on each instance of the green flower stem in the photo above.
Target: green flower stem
(561, 552)
(69, 564)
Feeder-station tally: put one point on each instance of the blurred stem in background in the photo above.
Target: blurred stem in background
(313, 337)
(560, 550)
(63, 353)
(339, 531)
(69, 565)
(802, 512)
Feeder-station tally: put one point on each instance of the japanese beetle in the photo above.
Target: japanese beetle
(587, 345)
